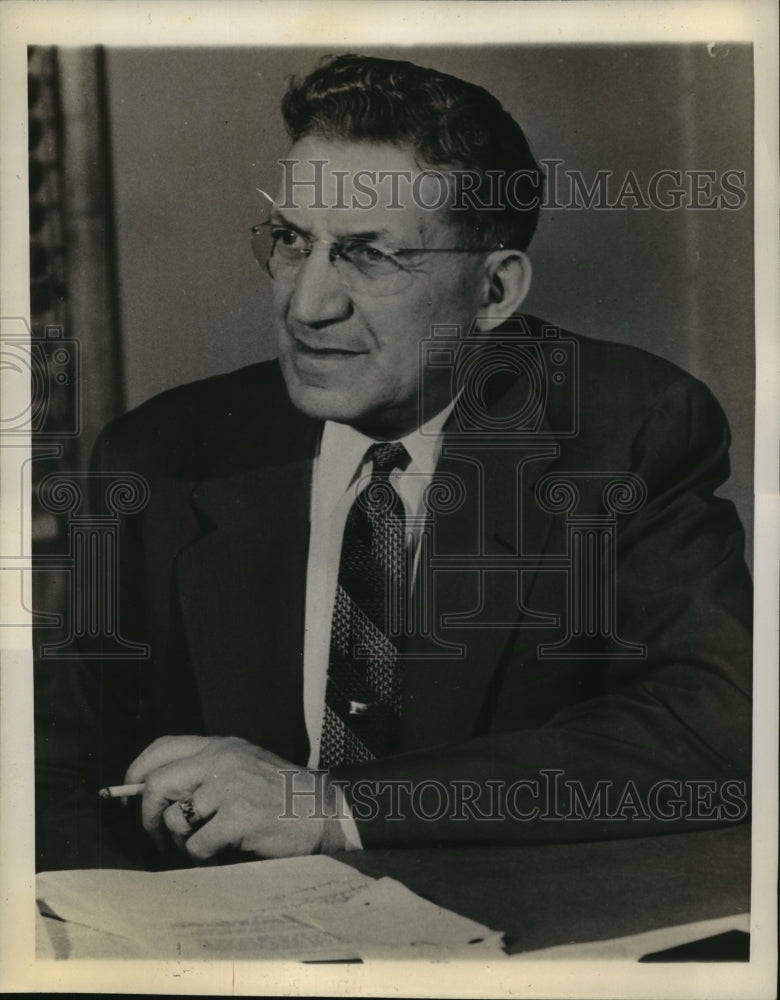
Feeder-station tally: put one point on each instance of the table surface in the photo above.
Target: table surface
(540, 896)
(554, 894)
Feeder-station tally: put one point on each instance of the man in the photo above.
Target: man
(442, 574)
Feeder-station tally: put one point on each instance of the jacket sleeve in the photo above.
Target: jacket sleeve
(665, 745)
(86, 720)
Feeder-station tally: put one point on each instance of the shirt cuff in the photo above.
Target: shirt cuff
(348, 825)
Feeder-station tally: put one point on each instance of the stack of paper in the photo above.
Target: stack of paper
(295, 908)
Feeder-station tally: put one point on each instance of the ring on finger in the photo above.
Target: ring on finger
(189, 812)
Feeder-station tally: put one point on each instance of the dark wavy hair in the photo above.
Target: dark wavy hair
(448, 122)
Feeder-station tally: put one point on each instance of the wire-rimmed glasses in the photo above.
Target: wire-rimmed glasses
(367, 266)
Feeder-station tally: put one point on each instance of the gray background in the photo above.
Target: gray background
(194, 132)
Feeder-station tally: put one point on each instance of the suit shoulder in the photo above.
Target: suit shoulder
(626, 369)
(611, 403)
(190, 428)
(616, 384)
(631, 385)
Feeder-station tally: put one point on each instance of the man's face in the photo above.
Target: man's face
(350, 352)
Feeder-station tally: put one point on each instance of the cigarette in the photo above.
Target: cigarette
(121, 791)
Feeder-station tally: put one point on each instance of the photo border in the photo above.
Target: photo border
(114, 22)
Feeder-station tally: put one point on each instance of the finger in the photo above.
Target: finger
(186, 815)
(162, 751)
(213, 837)
(180, 843)
(247, 823)
(165, 786)
(179, 823)
(230, 820)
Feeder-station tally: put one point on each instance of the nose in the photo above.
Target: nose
(318, 296)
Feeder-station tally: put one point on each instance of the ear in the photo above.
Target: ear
(506, 282)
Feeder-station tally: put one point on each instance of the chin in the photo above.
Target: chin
(322, 403)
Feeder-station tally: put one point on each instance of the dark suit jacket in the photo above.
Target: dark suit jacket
(213, 579)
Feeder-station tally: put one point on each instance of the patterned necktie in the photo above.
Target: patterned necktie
(363, 697)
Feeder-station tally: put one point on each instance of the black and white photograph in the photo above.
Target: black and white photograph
(389, 546)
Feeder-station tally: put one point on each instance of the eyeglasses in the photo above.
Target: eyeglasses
(364, 266)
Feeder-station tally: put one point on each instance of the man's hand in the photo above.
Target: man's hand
(238, 797)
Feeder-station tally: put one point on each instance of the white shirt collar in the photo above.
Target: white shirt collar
(343, 448)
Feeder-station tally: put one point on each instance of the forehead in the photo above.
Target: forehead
(340, 187)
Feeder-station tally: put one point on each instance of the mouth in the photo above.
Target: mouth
(323, 353)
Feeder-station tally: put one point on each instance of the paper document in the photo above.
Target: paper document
(299, 908)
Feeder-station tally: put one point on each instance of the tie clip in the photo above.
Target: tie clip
(358, 708)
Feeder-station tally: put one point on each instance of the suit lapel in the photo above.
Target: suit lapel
(242, 592)
(446, 693)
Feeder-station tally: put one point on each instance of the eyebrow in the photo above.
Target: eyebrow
(277, 218)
